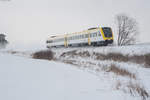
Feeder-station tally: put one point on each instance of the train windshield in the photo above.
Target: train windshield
(107, 32)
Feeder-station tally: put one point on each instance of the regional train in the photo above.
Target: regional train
(98, 36)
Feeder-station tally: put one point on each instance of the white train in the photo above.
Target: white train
(94, 36)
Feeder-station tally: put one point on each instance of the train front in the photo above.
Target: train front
(107, 35)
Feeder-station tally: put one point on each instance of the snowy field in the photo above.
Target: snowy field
(27, 79)
(24, 78)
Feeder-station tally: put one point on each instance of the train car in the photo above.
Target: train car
(99, 36)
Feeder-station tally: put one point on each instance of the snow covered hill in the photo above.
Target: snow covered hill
(28, 79)
(75, 74)
(126, 67)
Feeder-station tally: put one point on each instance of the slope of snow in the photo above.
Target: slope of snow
(23, 78)
(83, 58)
(28, 79)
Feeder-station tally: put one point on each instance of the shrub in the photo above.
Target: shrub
(147, 59)
(135, 88)
(111, 56)
(139, 59)
(47, 54)
(119, 71)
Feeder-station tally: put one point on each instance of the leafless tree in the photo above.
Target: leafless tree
(127, 30)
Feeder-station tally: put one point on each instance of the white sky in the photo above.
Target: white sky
(32, 21)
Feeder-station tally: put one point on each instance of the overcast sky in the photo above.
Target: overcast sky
(32, 21)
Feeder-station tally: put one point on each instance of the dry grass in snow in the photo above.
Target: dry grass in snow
(133, 88)
(120, 71)
(138, 59)
(47, 54)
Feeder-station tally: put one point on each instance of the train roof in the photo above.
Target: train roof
(93, 28)
(74, 33)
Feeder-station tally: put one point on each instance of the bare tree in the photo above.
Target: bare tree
(127, 30)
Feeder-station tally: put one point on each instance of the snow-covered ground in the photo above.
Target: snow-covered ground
(28, 79)
(24, 78)
(133, 73)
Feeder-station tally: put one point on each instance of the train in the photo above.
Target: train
(97, 36)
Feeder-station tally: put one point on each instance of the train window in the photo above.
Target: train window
(95, 34)
(49, 41)
(90, 35)
(99, 34)
(69, 38)
(86, 35)
(82, 36)
(76, 37)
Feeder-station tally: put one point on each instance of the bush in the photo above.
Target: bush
(48, 54)
(133, 88)
(119, 71)
(139, 59)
